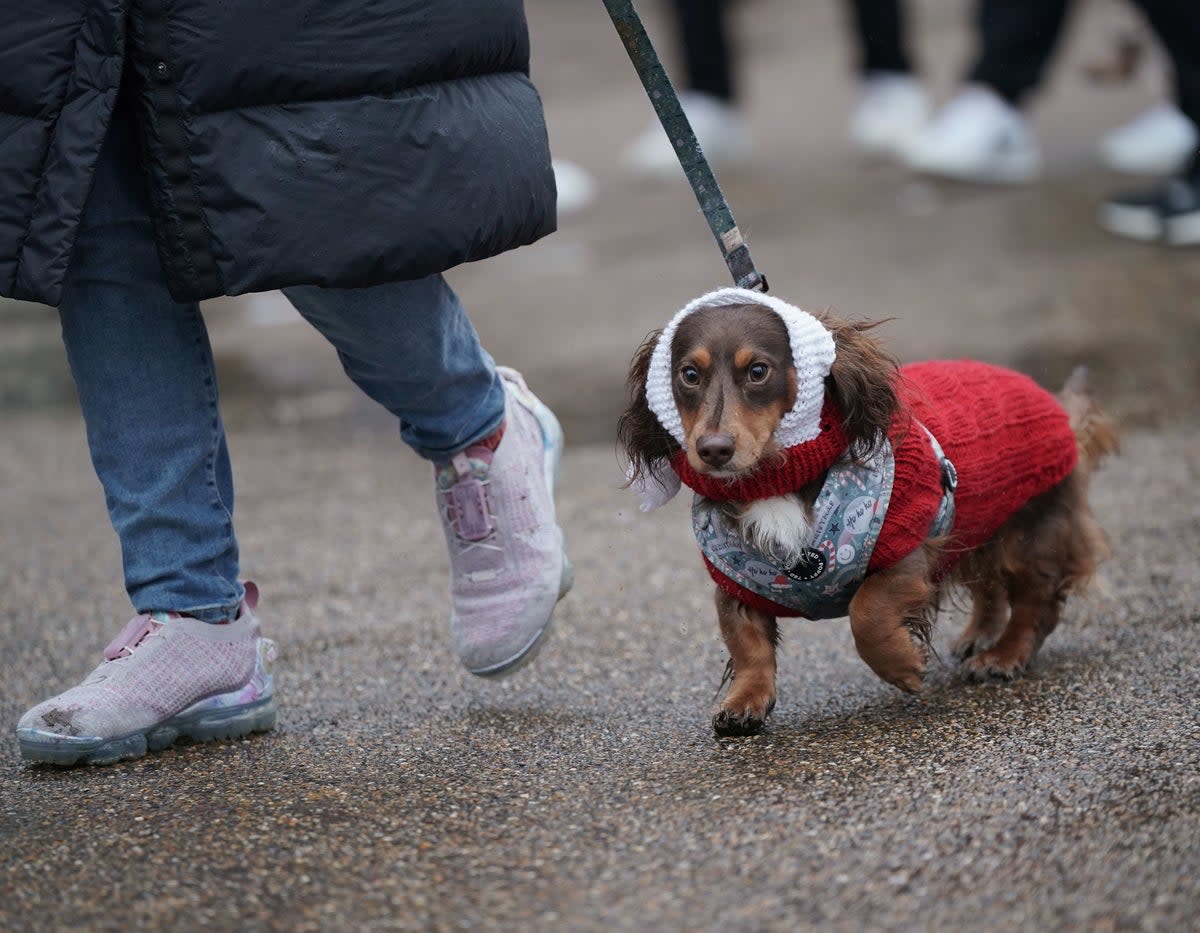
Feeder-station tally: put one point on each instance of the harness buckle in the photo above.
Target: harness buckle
(949, 475)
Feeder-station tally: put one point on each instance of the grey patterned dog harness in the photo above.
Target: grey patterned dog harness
(848, 515)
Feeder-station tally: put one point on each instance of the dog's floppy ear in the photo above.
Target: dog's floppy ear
(639, 433)
(862, 381)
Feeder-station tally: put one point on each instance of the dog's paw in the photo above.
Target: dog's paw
(991, 666)
(971, 644)
(910, 682)
(742, 721)
(966, 646)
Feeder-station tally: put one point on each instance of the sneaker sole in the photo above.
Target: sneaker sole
(1144, 168)
(1183, 230)
(894, 144)
(204, 725)
(1017, 171)
(1136, 223)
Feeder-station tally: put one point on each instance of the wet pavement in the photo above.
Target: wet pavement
(587, 792)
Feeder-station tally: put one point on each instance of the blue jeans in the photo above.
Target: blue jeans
(143, 368)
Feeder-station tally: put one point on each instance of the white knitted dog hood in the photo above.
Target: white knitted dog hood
(812, 355)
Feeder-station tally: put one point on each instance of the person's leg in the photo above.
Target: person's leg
(495, 449)
(1178, 28)
(708, 94)
(707, 52)
(892, 106)
(144, 374)
(1017, 39)
(1170, 211)
(880, 35)
(981, 135)
(411, 347)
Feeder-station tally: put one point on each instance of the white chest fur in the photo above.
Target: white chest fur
(779, 526)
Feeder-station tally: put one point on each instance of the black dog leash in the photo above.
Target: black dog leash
(699, 174)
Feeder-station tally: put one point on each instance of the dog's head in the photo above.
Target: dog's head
(733, 380)
(747, 378)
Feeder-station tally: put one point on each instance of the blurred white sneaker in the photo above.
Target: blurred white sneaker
(576, 189)
(1168, 212)
(977, 137)
(1157, 142)
(892, 109)
(719, 129)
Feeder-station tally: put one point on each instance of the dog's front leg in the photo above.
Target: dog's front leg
(751, 637)
(890, 618)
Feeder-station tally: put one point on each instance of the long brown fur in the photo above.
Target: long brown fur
(862, 381)
(1017, 580)
(640, 435)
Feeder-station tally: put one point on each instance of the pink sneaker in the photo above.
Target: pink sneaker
(507, 565)
(159, 682)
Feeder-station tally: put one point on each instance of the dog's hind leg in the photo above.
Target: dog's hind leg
(1035, 610)
(891, 616)
(751, 637)
(989, 615)
(1049, 549)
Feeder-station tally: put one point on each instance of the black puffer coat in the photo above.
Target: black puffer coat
(335, 142)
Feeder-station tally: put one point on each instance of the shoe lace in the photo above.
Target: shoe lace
(152, 634)
(114, 655)
(139, 630)
(468, 545)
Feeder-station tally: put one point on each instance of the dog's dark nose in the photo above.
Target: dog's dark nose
(715, 449)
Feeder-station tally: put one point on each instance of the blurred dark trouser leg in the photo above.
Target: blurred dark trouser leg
(1177, 24)
(1017, 38)
(879, 31)
(707, 50)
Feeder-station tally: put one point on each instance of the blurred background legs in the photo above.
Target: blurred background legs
(1170, 211)
(892, 105)
(707, 91)
(981, 135)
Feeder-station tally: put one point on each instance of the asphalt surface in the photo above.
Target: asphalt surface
(587, 792)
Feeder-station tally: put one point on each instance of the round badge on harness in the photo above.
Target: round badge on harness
(810, 565)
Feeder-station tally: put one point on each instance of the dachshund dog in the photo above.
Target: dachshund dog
(830, 481)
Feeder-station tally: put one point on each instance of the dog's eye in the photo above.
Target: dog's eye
(758, 372)
(689, 375)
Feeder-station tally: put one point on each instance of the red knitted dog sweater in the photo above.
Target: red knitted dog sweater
(1008, 438)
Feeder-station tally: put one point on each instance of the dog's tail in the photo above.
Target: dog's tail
(1095, 432)
(1095, 437)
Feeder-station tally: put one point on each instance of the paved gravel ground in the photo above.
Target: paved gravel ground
(587, 792)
